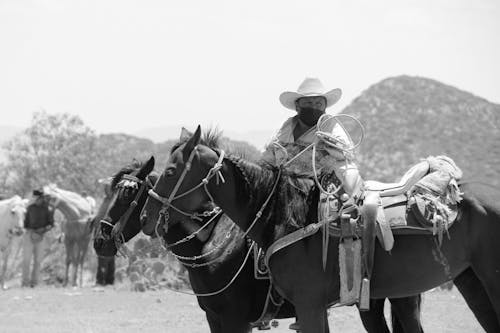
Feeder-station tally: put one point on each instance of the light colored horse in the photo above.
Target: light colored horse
(12, 212)
(77, 212)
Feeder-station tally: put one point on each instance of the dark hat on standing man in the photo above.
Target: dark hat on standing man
(37, 192)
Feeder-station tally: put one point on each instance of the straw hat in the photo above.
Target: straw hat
(310, 87)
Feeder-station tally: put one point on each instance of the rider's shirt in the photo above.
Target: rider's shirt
(284, 147)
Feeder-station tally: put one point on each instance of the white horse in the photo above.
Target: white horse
(12, 212)
(77, 212)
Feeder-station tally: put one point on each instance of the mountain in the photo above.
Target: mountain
(258, 138)
(409, 118)
(160, 133)
(117, 150)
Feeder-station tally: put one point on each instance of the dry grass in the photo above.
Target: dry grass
(111, 310)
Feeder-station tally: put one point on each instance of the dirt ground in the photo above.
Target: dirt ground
(48, 309)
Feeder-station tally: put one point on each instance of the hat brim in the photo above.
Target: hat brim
(288, 98)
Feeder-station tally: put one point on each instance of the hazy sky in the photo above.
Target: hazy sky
(128, 65)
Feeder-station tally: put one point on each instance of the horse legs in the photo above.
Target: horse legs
(81, 259)
(213, 323)
(487, 269)
(374, 320)
(66, 272)
(5, 257)
(477, 299)
(74, 273)
(407, 313)
(234, 323)
(70, 249)
(228, 323)
(313, 318)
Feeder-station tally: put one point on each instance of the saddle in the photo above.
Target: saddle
(423, 202)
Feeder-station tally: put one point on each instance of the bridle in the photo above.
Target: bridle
(214, 171)
(123, 220)
(164, 214)
(167, 203)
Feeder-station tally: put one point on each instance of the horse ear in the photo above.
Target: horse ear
(185, 135)
(193, 141)
(147, 168)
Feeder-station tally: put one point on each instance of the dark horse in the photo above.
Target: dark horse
(219, 249)
(105, 274)
(246, 296)
(416, 264)
(405, 310)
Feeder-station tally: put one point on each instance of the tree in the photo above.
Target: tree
(56, 148)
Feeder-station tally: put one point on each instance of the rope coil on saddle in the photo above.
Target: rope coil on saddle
(329, 140)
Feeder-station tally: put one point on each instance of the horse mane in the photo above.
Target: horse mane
(115, 179)
(16, 198)
(75, 207)
(289, 205)
(128, 169)
(211, 138)
(69, 195)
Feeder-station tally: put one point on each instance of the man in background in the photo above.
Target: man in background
(39, 219)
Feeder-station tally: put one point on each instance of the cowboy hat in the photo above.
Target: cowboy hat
(310, 87)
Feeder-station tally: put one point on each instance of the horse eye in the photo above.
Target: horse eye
(170, 171)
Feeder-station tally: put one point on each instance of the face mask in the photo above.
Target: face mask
(309, 116)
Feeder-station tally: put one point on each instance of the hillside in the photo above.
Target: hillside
(409, 118)
(258, 138)
(117, 150)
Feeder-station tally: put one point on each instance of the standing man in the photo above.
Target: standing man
(39, 219)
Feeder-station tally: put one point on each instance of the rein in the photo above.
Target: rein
(167, 202)
(329, 140)
(213, 293)
(123, 220)
(135, 202)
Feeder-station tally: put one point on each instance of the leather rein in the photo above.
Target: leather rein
(123, 220)
(214, 171)
(164, 214)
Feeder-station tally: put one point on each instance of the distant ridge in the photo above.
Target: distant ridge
(409, 118)
(258, 138)
(405, 118)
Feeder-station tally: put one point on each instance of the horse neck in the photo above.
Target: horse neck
(7, 222)
(103, 208)
(186, 228)
(133, 224)
(222, 234)
(69, 212)
(239, 201)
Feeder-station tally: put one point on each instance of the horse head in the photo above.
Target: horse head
(129, 192)
(51, 195)
(14, 214)
(181, 190)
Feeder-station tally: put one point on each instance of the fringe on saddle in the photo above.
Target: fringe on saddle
(439, 190)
